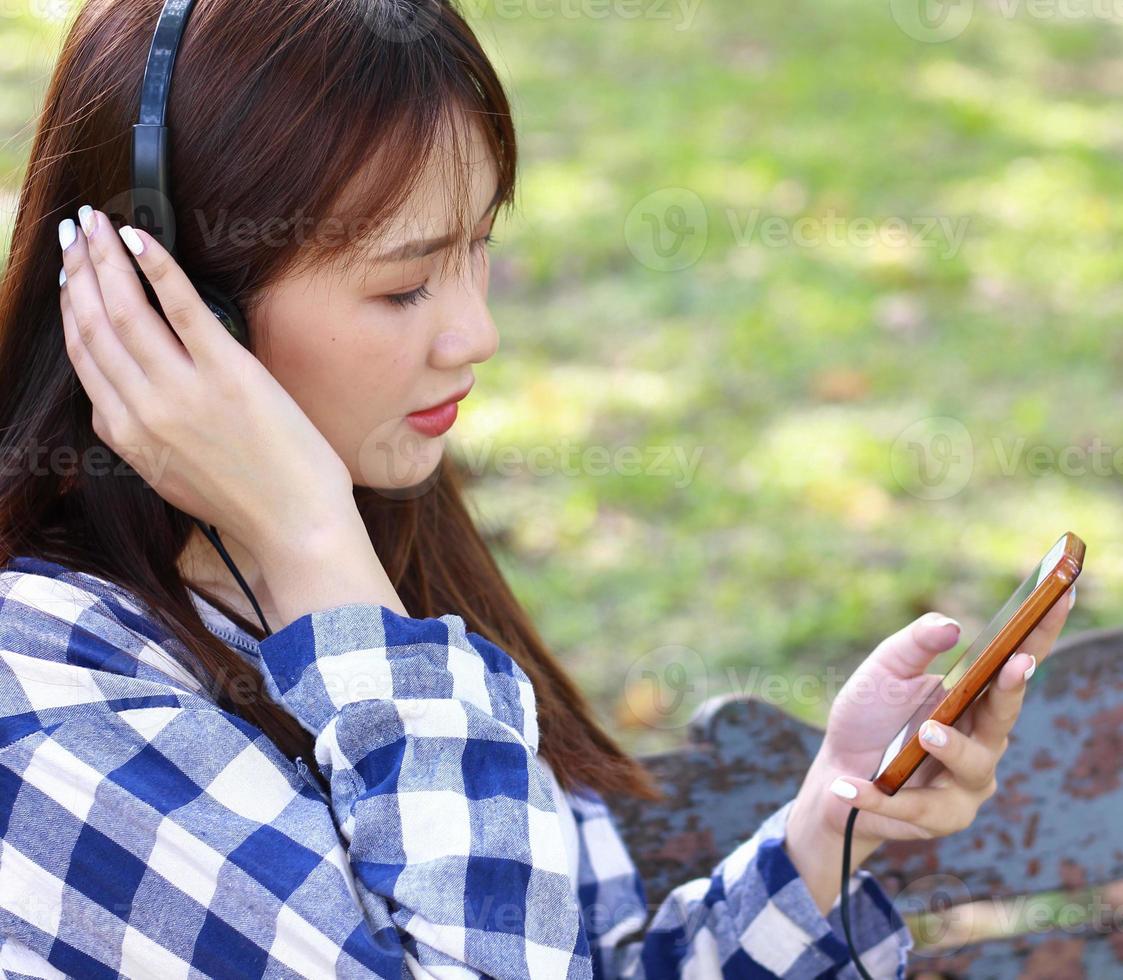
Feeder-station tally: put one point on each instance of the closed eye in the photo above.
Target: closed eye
(415, 296)
(411, 298)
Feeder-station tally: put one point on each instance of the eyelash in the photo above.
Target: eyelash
(415, 296)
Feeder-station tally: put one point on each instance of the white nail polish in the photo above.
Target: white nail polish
(840, 787)
(933, 734)
(67, 233)
(61, 278)
(937, 621)
(86, 218)
(132, 239)
(1030, 669)
(1072, 597)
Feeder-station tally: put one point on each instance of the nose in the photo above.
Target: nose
(467, 332)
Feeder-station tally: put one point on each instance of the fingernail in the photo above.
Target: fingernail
(1031, 668)
(1072, 597)
(938, 621)
(132, 239)
(61, 278)
(840, 787)
(87, 218)
(932, 733)
(67, 233)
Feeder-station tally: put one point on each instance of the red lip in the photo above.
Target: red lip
(438, 419)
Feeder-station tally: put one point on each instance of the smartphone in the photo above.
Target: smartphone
(980, 663)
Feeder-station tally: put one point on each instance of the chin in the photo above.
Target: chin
(403, 474)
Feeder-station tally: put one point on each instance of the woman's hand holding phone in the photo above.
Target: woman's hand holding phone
(869, 710)
(206, 425)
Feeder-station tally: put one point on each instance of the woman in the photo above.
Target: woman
(398, 779)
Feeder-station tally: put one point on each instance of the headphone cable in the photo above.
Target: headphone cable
(846, 892)
(212, 535)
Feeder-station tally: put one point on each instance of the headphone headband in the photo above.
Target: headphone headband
(161, 58)
(150, 189)
(153, 211)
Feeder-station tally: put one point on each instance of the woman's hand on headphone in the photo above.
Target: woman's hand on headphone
(199, 418)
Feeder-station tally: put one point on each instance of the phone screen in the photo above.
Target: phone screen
(939, 690)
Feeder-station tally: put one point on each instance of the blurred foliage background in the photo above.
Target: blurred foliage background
(807, 317)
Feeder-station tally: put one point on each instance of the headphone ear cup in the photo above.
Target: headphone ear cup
(226, 312)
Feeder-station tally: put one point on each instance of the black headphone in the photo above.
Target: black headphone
(151, 184)
(151, 206)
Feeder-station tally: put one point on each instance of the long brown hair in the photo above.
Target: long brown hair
(276, 105)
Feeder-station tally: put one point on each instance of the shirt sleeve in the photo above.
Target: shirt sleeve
(753, 916)
(428, 736)
(145, 832)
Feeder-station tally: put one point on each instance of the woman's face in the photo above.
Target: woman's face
(360, 349)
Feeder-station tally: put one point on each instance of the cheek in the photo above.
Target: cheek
(354, 379)
(355, 369)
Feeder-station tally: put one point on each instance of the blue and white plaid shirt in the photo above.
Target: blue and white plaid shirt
(145, 832)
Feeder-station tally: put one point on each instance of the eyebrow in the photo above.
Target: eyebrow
(427, 246)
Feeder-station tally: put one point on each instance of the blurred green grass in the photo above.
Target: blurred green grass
(794, 375)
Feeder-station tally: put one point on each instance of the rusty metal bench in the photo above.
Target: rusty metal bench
(1054, 825)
